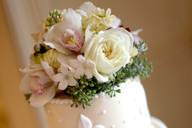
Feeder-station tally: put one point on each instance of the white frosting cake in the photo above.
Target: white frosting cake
(127, 110)
(90, 57)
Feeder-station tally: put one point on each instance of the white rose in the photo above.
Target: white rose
(110, 50)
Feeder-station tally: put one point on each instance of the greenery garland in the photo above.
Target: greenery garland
(84, 93)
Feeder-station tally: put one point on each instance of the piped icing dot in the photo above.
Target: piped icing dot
(96, 96)
(103, 112)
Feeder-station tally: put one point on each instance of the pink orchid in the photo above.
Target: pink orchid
(67, 36)
(37, 82)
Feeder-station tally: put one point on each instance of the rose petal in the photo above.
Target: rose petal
(99, 77)
(40, 100)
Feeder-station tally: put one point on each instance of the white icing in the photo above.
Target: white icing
(103, 112)
(99, 126)
(85, 122)
(96, 96)
(113, 126)
(130, 105)
(124, 121)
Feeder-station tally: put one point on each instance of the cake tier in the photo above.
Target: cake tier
(127, 110)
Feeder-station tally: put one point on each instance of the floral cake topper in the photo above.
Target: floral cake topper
(80, 53)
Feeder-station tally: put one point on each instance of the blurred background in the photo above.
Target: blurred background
(167, 28)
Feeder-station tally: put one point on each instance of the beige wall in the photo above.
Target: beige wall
(14, 111)
(167, 27)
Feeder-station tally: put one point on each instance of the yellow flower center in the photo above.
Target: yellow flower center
(107, 50)
(71, 41)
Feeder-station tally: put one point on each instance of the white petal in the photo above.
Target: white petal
(88, 7)
(31, 68)
(136, 32)
(85, 122)
(41, 76)
(89, 74)
(40, 100)
(72, 18)
(99, 77)
(24, 85)
(63, 85)
(81, 58)
(88, 36)
(48, 69)
(58, 77)
(72, 82)
(99, 126)
(116, 22)
(61, 49)
(74, 63)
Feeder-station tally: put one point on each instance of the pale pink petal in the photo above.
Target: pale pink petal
(42, 77)
(30, 69)
(58, 77)
(63, 85)
(64, 69)
(72, 19)
(40, 100)
(24, 85)
(81, 58)
(61, 49)
(48, 69)
(89, 74)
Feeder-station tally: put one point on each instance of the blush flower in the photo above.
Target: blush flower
(39, 85)
(67, 35)
(65, 77)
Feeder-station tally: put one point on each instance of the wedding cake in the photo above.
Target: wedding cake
(85, 71)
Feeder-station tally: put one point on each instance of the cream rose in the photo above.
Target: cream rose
(110, 50)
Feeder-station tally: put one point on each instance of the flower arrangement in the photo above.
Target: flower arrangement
(81, 53)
